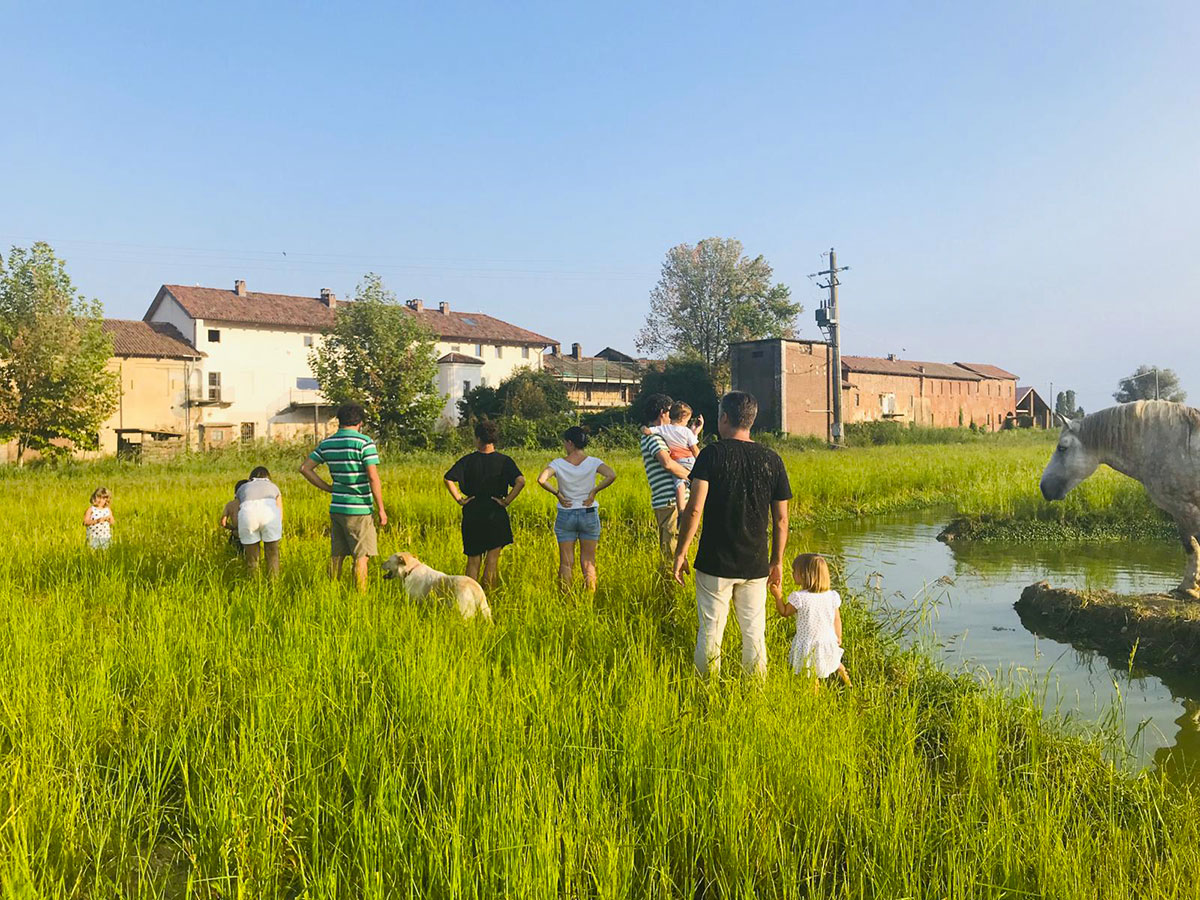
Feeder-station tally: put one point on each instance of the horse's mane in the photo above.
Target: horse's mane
(1124, 427)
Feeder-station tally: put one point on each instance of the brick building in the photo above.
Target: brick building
(791, 379)
(604, 381)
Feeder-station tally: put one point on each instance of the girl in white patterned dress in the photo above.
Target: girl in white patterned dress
(98, 520)
(817, 646)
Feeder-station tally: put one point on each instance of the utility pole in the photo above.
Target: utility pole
(828, 321)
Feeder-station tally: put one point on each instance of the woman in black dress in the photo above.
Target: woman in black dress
(484, 483)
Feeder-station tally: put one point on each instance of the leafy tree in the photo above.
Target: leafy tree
(681, 379)
(1150, 383)
(380, 356)
(526, 394)
(55, 387)
(1064, 405)
(711, 295)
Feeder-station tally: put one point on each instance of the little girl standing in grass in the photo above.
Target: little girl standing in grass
(98, 520)
(817, 646)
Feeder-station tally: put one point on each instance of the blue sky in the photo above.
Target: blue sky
(1015, 183)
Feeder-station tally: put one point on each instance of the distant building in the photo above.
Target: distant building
(792, 381)
(1032, 411)
(595, 382)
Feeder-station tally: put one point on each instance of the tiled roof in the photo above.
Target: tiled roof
(149, 339)
(909, 368)
(589, 368)
(252, 308)
(461, 359)
(1022, 393)
(614, 355)
(988, 371)
(476, 328)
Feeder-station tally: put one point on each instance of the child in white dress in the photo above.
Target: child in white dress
(98, 520)
(817, 646)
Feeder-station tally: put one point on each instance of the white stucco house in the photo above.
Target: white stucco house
(254, 379)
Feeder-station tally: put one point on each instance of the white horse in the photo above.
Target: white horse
(1152, 441)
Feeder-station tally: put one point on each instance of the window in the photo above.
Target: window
(887, 404)
(588, 392)
(499, 351)
(214, 335)
(218, 436)
(214, 385)
(479, 349)
(857, 398)
(466, 386)
(247, 431)
(308, 384)
(308, 340)
(456, 348)
(524, 353)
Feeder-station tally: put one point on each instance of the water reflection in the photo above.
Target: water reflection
(968, 593)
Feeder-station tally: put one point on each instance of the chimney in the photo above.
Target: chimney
(444, 308)
(416, 305)
(576, 351)
(891, 357)
(239, 288)
(554, 349)
(328, 297)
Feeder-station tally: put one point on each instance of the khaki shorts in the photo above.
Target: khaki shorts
(667, 519)
(351, 536)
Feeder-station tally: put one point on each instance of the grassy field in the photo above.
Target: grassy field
(168, 728)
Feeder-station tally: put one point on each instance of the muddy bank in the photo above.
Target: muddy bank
(1096, 528)
(1161, 633)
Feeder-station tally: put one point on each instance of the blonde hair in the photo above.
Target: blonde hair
(680, 411)
(811, 573)
(100, 493)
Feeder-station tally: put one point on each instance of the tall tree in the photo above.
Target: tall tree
(1150, 383)
(380, 356)
(1064, 405)
(711, 295)
(55, 386)
(680, 379)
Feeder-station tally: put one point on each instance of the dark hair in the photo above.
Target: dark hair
(577, 435)
(260, 472)
(740, 408)
(486, 431)
(350, 414)
(653, 407)
(238, 486)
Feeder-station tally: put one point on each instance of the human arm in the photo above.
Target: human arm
(518, 486)
(697, 425)
(779, 536)
(308, 469)
(279, 502)
(607, 477)
(460, 498)
(837, 625)
(544, 477)
(689, 523)
(782, 607)
(664, 459)
(377, 492)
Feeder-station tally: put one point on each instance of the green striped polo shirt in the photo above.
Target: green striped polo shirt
(662, 482)
(348, 452)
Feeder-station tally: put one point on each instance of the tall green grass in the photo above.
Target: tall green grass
(169, 728)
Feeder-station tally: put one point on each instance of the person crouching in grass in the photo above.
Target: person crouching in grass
(228, 520)
(817, 646)
(260, 518)
(98, 520)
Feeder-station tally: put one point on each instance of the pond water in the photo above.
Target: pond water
(964, 596)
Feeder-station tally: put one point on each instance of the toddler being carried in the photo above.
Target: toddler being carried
(682, 443)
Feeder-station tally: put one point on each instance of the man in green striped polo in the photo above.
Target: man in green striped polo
(353, 462)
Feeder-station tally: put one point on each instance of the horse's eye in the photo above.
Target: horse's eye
(1062, 448)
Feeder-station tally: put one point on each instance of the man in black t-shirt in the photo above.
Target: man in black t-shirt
(740, 487)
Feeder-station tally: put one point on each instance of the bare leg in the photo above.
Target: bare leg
(491, 569)
(271, 552)
(335, 567)
(844, 675)
(251, 552)
(587, 562)
(566, 565)
(680, 497)
(473, 563)
(360, 572)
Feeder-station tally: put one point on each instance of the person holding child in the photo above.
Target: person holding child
(260, 518)
(681, 435)
(98, 520)
(662, 474)
(484, 484)
(817, 645)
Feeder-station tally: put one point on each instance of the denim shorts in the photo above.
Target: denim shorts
(582, 524)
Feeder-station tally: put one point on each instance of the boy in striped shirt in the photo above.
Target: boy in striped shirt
(353, 462)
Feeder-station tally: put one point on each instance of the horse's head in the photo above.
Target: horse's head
(1071, 463)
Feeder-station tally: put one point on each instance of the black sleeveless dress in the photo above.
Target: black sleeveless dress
(483, 477)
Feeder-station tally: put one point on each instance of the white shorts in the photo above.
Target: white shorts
(687, 462)
(259, 520)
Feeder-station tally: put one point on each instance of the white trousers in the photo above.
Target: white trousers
(749, 598)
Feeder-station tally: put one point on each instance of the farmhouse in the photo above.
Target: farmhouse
(606, 380)
(793, 383)
(1032, 410)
